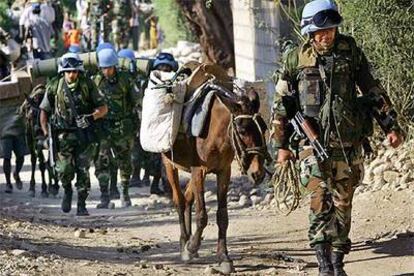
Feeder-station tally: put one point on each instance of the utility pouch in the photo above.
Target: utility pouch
(310, 91)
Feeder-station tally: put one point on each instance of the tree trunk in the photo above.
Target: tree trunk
(214, 27)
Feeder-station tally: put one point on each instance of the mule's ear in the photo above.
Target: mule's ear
(234, 106)
(254, 101)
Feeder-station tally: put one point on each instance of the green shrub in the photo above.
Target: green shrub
(5, 21)
(385, 31)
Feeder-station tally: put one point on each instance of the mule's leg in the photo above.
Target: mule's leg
(32, 188)
(189, 199)
(42, 167)
(223, 179)
(197, 186)
(179, 201)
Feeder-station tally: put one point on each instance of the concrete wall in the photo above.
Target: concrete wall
(256, 25)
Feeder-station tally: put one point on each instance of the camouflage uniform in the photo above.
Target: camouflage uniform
(122, 13)
(115, 147)
(98, 11)
(73, 155)
(342, 123)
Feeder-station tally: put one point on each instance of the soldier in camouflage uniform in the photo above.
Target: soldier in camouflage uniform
(321, 79)
(122, 15)
(119, 124)
(99, 14)
(71, 126)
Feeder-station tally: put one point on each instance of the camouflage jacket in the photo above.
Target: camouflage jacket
(85, 95)
(119, 97)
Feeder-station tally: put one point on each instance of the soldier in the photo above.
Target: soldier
(116, 87)
(99, 15)
(321, 79)
(73, 104)
(122, 14)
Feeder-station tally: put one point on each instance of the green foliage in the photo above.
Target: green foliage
(172, 22)
(5, 21)
(386, 33)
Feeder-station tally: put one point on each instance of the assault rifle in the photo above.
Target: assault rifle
(304, 130)
(51, 147)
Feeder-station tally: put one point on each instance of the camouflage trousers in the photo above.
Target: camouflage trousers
(120, 32)
(114, 153)
(150, 162)
(73, 158)
(331, 185)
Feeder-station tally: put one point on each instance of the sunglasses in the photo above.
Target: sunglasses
(324, 18)
(166, 56)
(70, 63)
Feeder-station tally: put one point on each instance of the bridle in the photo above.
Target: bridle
(242, 152)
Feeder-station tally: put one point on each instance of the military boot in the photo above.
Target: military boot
(104, 204)
(155, 189)
(32, 188)
(19, 183)
(67, 200)
(113, 191)
(125, 199)
(9, 188)
(338, 263)
(323, 254)
(82, 204)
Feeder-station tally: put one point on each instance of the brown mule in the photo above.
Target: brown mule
(234, 128)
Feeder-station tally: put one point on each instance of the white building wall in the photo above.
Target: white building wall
(256, 25)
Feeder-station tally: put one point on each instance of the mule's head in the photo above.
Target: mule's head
(247, 135)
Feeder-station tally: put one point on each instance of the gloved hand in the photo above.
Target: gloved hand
(84, 121)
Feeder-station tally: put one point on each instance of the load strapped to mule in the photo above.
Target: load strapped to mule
(180, 103)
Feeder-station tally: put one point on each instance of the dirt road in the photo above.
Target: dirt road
(37, 239)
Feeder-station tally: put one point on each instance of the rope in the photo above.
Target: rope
(286, 187)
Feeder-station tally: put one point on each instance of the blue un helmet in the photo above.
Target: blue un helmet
(74, 48)
(107, 58)
(165, 59)
(319, 15)
(130, 55)
(70, 62)
(104, 45)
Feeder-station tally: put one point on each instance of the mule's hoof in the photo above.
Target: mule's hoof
(225, 267)
(32, 193)
(187, 255)
(44, 194)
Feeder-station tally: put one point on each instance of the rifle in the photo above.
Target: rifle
(304, 130)
(84, 135)
(52, 161)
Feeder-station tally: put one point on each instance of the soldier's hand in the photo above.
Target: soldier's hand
(394, 138)
(284, 155)
(84, 121)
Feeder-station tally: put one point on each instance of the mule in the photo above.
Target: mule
(34, 139)
(235, 128)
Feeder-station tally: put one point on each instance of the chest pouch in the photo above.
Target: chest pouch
(310, 91)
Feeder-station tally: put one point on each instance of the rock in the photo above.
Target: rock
(145, 248)
(405, 178)
(80, 233)
(268, 198)
(391, 176)
(102, 231)
(210, 271)
(380, 169)
(19, 252)
(158, 266)
(244, 201)
(255, 199)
